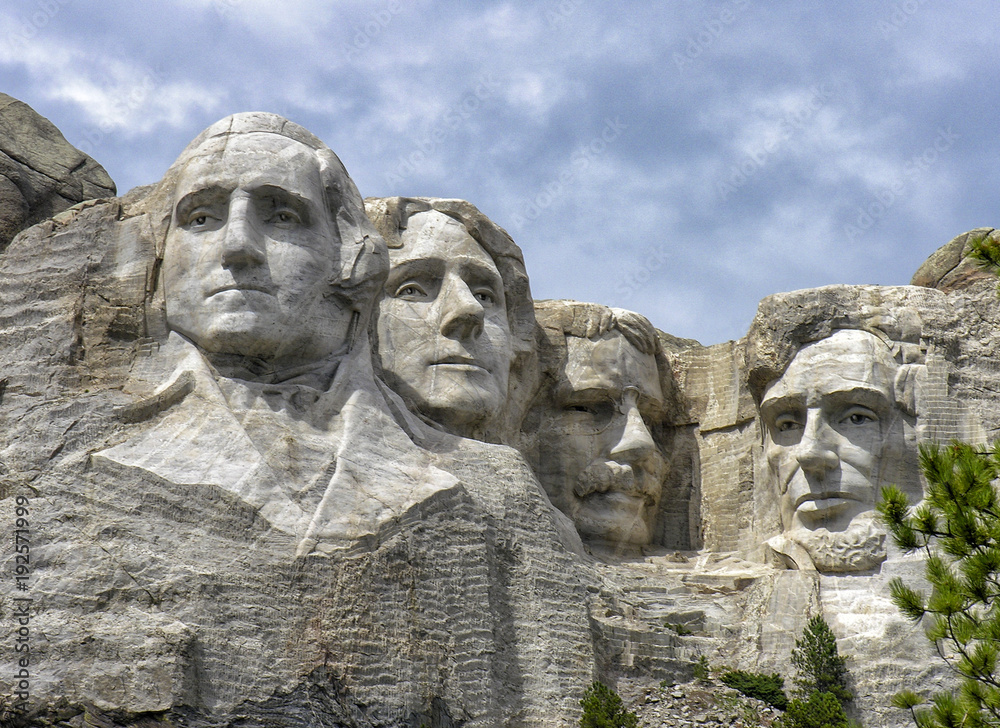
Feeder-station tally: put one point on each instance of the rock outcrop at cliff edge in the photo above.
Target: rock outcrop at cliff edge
(41, 174)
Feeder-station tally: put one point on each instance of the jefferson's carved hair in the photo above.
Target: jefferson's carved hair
(390, 216)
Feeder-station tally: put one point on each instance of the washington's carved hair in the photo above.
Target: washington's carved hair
(363, 265)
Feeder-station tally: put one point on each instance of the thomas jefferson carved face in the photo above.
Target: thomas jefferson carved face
(596, 457)
(833, 431)
(251, 251)
(444, 339)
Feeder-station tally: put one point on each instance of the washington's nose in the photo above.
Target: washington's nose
(635, 442)
(462, 314)
(242, 243)
(816, 451)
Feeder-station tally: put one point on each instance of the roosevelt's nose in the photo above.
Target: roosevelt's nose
(462, 314)
(635, 442)
(242, 239)
(816, 452)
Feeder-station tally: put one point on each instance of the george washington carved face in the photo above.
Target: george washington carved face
(251, 252)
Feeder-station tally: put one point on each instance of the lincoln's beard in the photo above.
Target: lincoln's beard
(859, 547)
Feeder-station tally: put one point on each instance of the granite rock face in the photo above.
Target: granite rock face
(41, 174)
(280, 464)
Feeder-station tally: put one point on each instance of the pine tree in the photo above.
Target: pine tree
(603, 708)
(958, 528)
(819, 664)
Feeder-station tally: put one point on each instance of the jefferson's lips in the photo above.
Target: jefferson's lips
(458, 362)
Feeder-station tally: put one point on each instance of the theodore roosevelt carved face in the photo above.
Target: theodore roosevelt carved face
(833, 437)
(592, 426)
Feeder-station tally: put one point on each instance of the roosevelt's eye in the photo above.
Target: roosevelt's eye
(786, 423)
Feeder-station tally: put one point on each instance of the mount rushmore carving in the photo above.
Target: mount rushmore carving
(295, 459)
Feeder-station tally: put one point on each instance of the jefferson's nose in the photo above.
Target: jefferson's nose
(462, 314)
(242, 242)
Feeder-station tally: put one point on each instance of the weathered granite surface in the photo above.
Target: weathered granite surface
(41, 174)
(269, 483)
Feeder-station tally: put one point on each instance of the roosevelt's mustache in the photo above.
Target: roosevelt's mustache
(612, 477)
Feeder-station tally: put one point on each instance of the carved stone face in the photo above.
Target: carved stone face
(250, 253)
(444, 338)
(832, 429)
(596, 457)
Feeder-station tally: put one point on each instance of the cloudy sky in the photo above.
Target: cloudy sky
(682, 158)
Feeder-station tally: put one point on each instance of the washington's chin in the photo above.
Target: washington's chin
(614, 517)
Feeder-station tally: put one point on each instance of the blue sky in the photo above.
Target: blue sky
(681, 159)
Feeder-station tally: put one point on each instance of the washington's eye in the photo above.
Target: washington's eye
(586, 409)
(284, 217)
(410, 291)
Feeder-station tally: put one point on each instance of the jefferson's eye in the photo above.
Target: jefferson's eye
(485, 296)
(586, 409)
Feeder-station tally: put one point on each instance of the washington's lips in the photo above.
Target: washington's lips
(243, 288)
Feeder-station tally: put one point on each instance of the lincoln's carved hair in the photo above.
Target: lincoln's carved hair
(775, 338)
